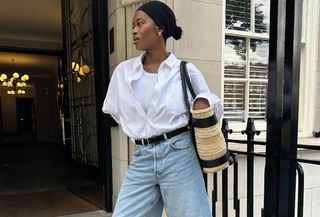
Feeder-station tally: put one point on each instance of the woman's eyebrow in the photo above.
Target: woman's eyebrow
(138, 19)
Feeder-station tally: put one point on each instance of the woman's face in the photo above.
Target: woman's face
(145, 31)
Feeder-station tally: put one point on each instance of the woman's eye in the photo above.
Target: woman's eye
(139, 24)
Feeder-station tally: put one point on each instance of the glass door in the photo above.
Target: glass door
(85, 153)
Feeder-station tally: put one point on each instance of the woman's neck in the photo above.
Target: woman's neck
(153, 59)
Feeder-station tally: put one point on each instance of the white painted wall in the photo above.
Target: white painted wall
(309, 107)
(317, 79)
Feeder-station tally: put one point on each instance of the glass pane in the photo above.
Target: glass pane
(235, 57)
(259, 52)
(234, 100)
(83, 119)
(81, 84)
(238, 15)
(262, 20)
(80, 20)
(258, 100)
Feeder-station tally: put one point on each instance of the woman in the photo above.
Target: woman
(145, 97)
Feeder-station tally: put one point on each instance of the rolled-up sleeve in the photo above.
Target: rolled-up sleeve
(202, 90)
(214, 101)
(110, 104)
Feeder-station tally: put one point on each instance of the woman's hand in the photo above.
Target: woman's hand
(200, 103)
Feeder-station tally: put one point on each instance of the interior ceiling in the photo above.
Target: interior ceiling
(32, 24)
(34, 65)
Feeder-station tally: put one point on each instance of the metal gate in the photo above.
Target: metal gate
(282, 165)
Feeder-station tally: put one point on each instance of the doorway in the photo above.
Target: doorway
(26, 117)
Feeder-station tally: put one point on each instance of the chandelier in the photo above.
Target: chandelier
(15, 84)
(80, 70)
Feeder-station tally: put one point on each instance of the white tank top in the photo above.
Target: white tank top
(143, 88)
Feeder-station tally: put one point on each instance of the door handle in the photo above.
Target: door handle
(62, 128)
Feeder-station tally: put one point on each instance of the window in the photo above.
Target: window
(246, 59)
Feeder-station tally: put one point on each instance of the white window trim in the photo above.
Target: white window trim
(247, 36)
(308, 73)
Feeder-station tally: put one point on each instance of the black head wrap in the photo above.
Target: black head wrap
(163, 17)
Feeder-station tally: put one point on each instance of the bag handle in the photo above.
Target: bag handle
(186, 82)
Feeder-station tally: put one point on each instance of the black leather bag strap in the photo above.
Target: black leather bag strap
(186, 83)
(185, 80)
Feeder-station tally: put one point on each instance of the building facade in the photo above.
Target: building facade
(228, 41)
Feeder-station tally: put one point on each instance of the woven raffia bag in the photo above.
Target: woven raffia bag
(209, 141)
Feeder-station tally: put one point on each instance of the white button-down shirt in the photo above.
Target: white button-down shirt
(166, 111)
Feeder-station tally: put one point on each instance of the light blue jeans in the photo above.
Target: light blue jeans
(166, 175)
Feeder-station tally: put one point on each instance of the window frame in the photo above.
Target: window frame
(247, 36)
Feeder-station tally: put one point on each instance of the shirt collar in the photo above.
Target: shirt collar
(138, 61)
(137, 65)
(170, 61)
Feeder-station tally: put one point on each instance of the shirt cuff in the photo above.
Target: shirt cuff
(214, 101)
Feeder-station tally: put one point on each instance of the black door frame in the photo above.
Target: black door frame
(101, 62)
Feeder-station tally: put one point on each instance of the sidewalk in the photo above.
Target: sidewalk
(99, 213)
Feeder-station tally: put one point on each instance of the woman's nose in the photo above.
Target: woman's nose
(134, 30)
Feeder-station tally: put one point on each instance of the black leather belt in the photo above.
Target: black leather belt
(157, 139)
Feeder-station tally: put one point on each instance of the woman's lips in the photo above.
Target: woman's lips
(135, 40)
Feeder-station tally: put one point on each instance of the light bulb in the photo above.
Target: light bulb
(85, 69)
(16, 75)
(81, 71)
(3, 77)
(25, 77)
(74, 67)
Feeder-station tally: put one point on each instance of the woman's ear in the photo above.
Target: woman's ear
(159, 31)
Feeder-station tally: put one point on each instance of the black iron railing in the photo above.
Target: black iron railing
(251, 132)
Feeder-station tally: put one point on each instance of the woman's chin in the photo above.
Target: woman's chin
(140, 48)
